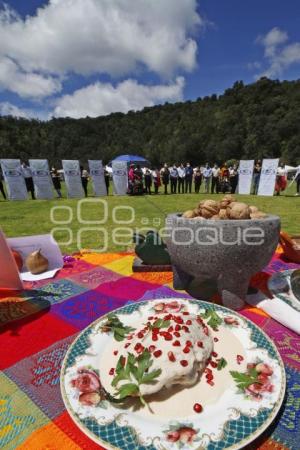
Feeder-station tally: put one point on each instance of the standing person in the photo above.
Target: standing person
(215, 185)
(256, 176)
(297, 179)
(188, 178)
(197, 180)
(131, 179)
(1, 186)
(148, 181)
(27, 174)
(156, 180)
(281, 179)
(107, 180)
(181, 177)
(207, 174)
(56, 181)
(233, 178)
(165, 175)
(224, 179)
(173, 179)
(84, 179)
(138, 173)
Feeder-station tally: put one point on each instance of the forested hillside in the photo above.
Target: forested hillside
(253, 121)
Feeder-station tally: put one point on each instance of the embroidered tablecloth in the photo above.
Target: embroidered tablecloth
(38, 326)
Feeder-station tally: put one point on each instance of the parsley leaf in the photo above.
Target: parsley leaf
(127, 390)
(160, 323)
(136, 372)
(222, 364)
(244, 380)
(214, 319)
(114, 324)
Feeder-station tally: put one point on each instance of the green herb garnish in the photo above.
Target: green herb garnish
(159, 323)
(136, 372)
(114, 324)
(214, 319)
(222, 364)
(244, 380)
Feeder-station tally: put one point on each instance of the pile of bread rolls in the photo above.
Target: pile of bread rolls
(226, 209)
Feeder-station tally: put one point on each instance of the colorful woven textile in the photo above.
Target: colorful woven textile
(37, 327)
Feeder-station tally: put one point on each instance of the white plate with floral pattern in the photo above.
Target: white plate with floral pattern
(236, 399)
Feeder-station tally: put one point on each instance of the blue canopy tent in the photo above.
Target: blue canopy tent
(132, 159)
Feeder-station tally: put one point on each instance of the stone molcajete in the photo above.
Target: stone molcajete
(210, 256)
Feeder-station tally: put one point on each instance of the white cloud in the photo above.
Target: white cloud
(103, 36)
(7, 109)
(272, 40)
(279, 54)
(103, 98)
(26, 84)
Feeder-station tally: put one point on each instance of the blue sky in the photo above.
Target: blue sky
(98, 57)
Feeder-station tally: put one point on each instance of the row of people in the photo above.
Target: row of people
(182, 178)
(215, 179)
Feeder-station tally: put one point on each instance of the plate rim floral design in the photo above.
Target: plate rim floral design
(238, 445)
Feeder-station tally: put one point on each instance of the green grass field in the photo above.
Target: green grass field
(33, 217)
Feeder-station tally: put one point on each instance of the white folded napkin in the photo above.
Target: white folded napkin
(277, 309)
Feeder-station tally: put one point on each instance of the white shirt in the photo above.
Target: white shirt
(215, 172)
(281, 171)
(181, 172)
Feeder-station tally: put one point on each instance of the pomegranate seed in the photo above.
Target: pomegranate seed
(140, 335)
(209, 377)
(199, 320)
(176, 333)
(185, 313)
(216, 339)
(129, 337)
(168, 337)
(213, 364)
(171, 356)
(211, 383)
(112, 371)
(177, 327)
(155, 330)
(154, 337)
(178, 320)
(214, 354)
(200, 344)
(188, 322)
(150, 318)
(198, 408)
(127, 345)
(176, 344)
(168, 317)
(205, 330)
(188, 344)
(208, 370)
(138, 348)
(151, 348)
(123, 361)
(186, 350)
(116, 352)
(170, 329)
(157, 353)
(184, 362)
(239, 359)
